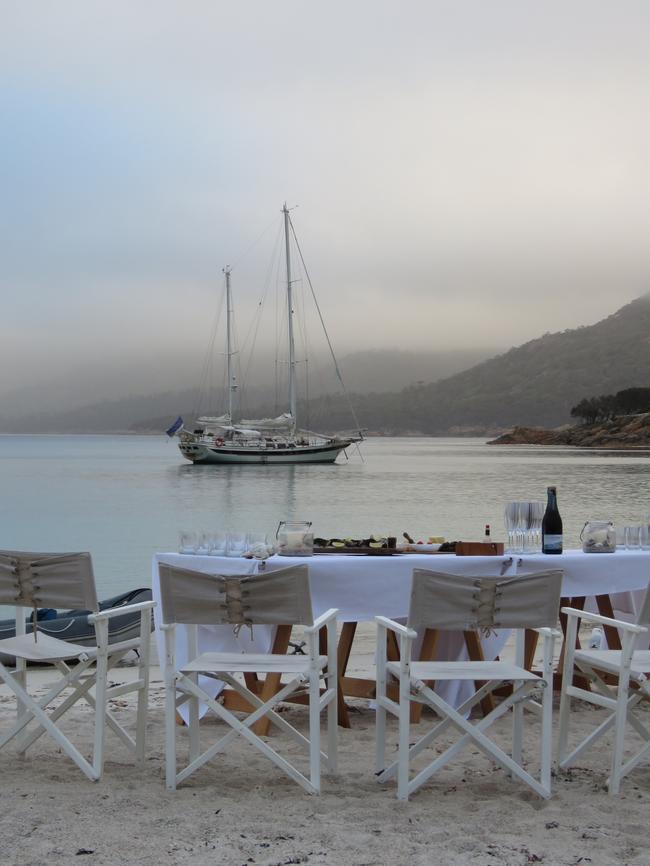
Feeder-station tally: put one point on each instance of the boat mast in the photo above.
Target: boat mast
(292, 348)
(232, 385)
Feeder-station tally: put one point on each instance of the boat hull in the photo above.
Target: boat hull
(200, 453)
(73, 625)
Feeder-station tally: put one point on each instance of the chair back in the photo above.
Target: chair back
(450, 601)
(279, 597)
(57, 580)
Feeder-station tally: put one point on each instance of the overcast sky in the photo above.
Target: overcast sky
(466, 172)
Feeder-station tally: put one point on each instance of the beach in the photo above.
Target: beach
(241, 809)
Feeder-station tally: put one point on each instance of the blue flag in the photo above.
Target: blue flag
(178, 423)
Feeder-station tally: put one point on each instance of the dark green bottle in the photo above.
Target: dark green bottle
(551, 524)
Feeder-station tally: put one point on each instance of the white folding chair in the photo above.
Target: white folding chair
(617, 680)
(273, 598)
(66, 580)
(447, 601)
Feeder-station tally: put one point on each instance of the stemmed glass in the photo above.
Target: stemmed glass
(510, 515)
(535, 514)
(522, 526)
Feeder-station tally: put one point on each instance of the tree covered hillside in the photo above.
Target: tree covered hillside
(538, 383)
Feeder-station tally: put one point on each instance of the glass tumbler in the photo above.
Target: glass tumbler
(632, 537)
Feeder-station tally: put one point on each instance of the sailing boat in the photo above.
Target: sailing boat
(222, 439)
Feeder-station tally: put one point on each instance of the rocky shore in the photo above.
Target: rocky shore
(630, 431)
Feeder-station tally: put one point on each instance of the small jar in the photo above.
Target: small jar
(598, 536)
(295, 539)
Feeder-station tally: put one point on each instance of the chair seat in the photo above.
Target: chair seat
(45, 649)
(495, 670)
(250, 663)
(610, 660)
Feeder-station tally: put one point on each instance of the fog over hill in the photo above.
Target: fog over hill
(534, 384)
(74, 407)
(396, 392)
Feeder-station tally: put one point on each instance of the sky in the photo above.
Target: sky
(463, 173)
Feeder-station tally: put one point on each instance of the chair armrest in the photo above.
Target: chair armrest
(118, 611)
(603, 620)
(322, 620)
(397, 627)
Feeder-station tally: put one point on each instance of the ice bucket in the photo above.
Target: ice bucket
(295, 539)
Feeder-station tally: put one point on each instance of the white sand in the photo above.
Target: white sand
(240, 809)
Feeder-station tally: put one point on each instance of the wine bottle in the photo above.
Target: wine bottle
(551, 524)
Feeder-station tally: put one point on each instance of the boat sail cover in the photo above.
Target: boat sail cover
(211, 419)
(283, 423)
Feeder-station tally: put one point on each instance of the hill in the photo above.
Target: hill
(538, 383)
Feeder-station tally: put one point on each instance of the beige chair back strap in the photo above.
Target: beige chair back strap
(643, 617)
(280, 597)
(58, 580)
(450, 601)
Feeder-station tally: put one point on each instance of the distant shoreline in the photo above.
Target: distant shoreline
(628, 433)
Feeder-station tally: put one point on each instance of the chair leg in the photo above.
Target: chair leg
(101, 685)
(332, 682)
(170, 734)
(314, 729)
(568, 650)
(380, 694)
(143, 691)
(193, 723)
(619, 734)
(403, 738)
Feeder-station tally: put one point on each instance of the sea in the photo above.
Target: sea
(123, 498)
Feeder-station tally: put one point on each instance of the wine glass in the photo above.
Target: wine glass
(521, 527)
(510, 519)
(536, 515)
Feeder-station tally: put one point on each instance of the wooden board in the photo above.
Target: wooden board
(361, 551)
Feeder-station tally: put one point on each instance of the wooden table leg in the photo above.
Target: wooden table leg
(530, 647)
(427, 654)
(348, 631)
(271, 682)
(605, 608)
(475, 653)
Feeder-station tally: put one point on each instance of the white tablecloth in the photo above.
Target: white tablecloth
(362, 587)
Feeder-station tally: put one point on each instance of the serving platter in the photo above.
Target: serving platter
(361, 551)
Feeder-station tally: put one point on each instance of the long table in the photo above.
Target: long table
(362, 587)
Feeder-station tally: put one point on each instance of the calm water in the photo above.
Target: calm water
(125, 497)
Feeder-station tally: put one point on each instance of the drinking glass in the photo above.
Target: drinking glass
(522, 526)
(536, 515)
(644, 534)
(203, 545)
(255, 538)
(235, 543)
(510, 519)
(187, 541)
(632, 537)
(217, 544)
